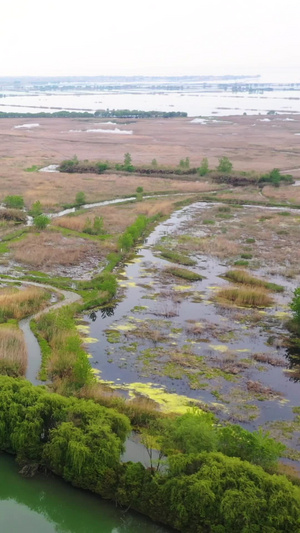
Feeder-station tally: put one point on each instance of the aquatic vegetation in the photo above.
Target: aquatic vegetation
(113, 336)
(246, 296)
(184, 273)
(176, 257)
(241, 276)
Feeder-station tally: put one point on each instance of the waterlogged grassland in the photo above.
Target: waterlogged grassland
(179, 339)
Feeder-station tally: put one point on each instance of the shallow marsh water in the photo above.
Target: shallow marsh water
(147, 345)
(46, 504)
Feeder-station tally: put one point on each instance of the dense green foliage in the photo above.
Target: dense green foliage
(224, 165)
(80, 199)
(36, 209)
(295, 305)
(198, 492)
(132, 233)
(197, 431)
(274, 177)
(41, 222)
(77, 439)
(15, 202)
(204, 168)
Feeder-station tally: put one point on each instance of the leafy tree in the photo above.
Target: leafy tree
(190, 433)
(224, 165)
(203, 169)
(127, 160)
(80, 199)
(154, 163)
(41, 222)
(15, 201)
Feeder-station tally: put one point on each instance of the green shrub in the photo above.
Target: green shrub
(224, 165)
(204, 168)
(80, 199)
(41, 222)
(15, 202)
(36, 209)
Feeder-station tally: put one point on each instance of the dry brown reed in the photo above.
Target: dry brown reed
(49, 248)
(18, 304)
(13, 353)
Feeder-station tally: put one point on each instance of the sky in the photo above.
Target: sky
(148, 37)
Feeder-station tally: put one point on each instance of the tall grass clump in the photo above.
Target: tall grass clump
(66, 362)
(241, 276)
(13, 353)
(246, 296)
(18, 304)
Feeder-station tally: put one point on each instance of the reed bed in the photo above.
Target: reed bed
(13, 353)
(18, 304)
(246, 296)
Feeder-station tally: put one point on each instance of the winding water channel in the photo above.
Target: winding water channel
(128, 361)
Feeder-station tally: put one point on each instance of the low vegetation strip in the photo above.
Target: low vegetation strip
(246, 296)
(241, 276)
(197, 492)
(176, 257)
(184, 273)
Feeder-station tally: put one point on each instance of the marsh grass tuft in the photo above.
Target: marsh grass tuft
(241, 276)
(183, 273)
(176, 257)
(246, 296)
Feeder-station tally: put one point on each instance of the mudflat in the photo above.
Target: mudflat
(251, 142)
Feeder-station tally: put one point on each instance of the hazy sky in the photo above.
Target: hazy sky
(156, 37)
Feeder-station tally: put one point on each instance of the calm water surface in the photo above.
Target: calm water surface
(49, 505)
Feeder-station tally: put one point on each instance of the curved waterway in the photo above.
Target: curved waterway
(46, 504)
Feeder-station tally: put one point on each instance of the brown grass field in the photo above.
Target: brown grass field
(13, 353)
(18, 304)
(260, 148)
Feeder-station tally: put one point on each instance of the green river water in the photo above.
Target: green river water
(46, 504)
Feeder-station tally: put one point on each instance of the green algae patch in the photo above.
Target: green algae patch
(83, 328)
(219, 347)
(127, 284)
(182, 287)
(90, 340)
(125, 327)
(168, 402)
(113, 336)
(139, 308)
